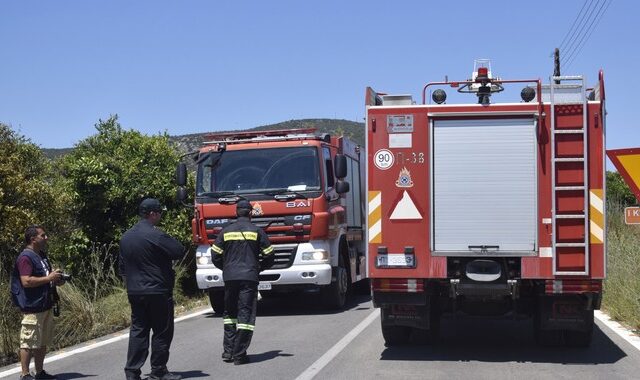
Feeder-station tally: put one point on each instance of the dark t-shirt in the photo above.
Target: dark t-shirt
(24, 266)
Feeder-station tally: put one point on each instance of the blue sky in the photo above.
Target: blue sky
(197, 66)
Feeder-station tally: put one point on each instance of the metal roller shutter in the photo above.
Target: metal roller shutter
(484, 186)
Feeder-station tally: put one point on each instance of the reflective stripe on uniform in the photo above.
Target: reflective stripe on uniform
(229, 321)
(238, 236)
(244, 326)
(267, 250)
(216, 249)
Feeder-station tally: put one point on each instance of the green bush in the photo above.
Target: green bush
(618, 192)
(28, 195)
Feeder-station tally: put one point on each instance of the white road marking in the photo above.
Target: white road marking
(63, 354)
(622, 331)
(319, 364)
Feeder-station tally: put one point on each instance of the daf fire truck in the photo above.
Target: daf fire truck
(487, 208)
(307, 194)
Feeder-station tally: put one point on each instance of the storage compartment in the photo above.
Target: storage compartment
(484, 186)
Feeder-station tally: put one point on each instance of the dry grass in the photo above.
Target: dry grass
(88, 309)
(622, 286)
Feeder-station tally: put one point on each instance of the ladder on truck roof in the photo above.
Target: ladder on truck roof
(570, 176)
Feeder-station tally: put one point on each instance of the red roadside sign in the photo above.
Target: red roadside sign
(627, 161)
(632, 215)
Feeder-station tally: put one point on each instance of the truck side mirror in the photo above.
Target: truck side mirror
(181, 194)
(342, 187)
(340, 166)
(181, 174)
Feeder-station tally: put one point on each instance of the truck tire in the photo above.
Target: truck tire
(335, 294)
(216, 298)
(395, 335)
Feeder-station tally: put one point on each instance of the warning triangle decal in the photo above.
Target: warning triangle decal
(406, 209)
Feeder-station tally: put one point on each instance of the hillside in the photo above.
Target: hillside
(190, 142)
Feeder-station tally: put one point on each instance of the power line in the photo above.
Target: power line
(591, 22)
(599, 16)
(572, 25)
(572, 44)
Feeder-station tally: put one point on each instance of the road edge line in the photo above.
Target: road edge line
(61, 354)
(619, 329)
(319, 364)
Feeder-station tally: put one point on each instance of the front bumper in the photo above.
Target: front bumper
(301, 273)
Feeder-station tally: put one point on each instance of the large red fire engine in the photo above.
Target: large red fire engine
(488, 208)
(307, 193)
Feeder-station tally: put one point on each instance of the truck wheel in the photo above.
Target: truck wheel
(395, 335)
(335, 294)
(216, 298)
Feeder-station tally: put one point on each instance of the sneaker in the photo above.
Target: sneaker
(166, 376)
(44, 375)
(26, 377)
(244, 359)
(226, 357)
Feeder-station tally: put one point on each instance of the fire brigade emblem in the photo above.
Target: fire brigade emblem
(404, 179)
(257, 210)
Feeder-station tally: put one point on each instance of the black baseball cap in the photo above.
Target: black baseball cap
(150, 204)
(243, 204)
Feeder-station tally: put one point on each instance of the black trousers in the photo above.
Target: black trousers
(150, 312)
(240, 301)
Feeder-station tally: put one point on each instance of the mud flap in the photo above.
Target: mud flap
(569, 313)
(406, 315)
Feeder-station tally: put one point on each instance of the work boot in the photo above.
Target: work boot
(165, 376)
(44, 375)
(227, 357)
(244, 359)
(132, 374)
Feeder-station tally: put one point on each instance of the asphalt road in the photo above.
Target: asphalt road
(295, 338)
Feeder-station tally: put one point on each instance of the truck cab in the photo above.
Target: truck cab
(306, 193)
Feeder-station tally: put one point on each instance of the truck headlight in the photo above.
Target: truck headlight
(317, 255)
(204, 260)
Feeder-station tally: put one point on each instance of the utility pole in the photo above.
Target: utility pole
(556, 64)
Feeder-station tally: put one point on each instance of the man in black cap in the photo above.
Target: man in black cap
(241, 250)
(146, 255)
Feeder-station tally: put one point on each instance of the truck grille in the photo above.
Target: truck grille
(284, 255)
(278, 228)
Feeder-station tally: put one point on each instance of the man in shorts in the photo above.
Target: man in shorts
(32, 289)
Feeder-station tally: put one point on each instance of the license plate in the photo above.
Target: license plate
(396, 260)
(264, 286)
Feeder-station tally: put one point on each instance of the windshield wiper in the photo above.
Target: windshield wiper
(285, 195)
(216, 194)
(224, 197)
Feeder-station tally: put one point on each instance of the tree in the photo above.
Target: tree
(108, 174)
(28, 194)
(618, 191)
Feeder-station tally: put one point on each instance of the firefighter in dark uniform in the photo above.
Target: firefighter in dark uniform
(241, 251)
(146, 255)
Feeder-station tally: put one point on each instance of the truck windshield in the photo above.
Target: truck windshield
(259, 170)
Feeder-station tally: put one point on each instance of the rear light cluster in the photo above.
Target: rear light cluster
(398, 285)
(572, 286)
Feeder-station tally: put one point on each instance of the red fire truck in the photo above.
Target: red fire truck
(487, 208)
(307, 193)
